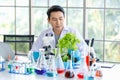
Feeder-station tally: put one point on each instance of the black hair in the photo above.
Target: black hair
(55, 8)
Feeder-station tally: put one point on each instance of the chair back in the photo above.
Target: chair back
(20, 43)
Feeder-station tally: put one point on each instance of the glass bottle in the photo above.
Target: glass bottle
(41, 65)
(59, 62)
(52, 71)
(9, 64)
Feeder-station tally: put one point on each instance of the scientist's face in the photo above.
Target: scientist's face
(57, 20)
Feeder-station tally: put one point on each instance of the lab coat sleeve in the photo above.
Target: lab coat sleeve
(38, 43)
(82, 46)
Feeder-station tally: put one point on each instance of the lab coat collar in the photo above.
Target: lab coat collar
(64, 29)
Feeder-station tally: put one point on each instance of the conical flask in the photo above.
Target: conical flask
(31, 66)
(69, 70)
(32, 59)
(41, 65)
(83, 68)
(52, 71)
(59, 62)
(69, 73)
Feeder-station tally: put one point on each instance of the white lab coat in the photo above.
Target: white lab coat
(39, 43)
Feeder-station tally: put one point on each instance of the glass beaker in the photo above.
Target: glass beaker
(41, 65)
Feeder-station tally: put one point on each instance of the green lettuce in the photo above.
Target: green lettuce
(69, 41)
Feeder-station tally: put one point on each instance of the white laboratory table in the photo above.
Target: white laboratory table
(108, 74)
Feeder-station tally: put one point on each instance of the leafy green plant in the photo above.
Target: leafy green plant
(69, 41)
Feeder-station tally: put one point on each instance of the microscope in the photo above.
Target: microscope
(48, 44)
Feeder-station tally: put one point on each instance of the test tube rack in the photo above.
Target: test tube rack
(20, 68)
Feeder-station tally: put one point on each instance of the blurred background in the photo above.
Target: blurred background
(98, 19)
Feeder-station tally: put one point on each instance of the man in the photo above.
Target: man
(56, 18)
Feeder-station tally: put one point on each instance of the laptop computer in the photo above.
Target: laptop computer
(5, 51)
(106, 65)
